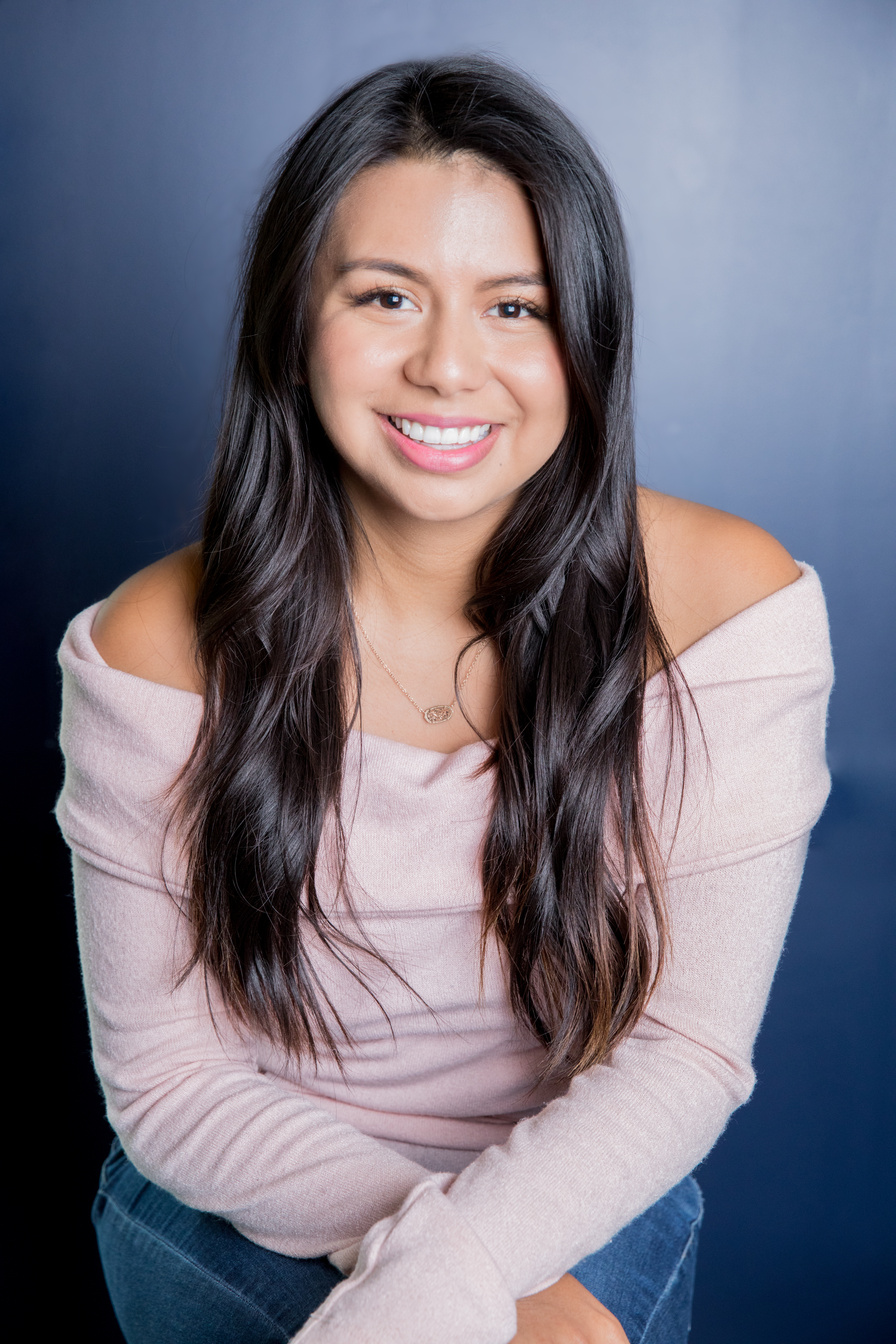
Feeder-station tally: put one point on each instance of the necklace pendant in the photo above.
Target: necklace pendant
(438, 713)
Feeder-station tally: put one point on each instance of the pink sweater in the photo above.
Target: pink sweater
(365, 1168)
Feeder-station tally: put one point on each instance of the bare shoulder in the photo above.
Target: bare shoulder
(146, 626)
(705, 565)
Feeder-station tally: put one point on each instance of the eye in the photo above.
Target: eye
(512, 310)
(390, 300)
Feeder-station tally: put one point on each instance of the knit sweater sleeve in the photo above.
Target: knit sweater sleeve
(571, 1176)
(195, 1109)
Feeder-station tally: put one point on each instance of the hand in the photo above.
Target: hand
(566, 1313)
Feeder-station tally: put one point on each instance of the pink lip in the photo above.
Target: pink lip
(441, 459)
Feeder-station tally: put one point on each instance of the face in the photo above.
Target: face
(433, 363)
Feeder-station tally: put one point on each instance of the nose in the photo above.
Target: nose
(449, 356)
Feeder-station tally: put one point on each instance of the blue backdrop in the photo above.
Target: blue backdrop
(753, 145)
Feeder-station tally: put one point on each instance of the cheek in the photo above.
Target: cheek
(348, 360)
(327, 384)
(329, 368)
(539, 380)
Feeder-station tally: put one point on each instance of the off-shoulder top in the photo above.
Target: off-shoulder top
(434, 1173)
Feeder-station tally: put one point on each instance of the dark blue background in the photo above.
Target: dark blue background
(753, 144)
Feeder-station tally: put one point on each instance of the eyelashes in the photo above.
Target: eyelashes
(369, 297)
(527, 306)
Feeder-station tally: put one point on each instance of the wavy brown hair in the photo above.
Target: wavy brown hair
(570, 875)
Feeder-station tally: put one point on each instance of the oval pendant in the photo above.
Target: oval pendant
(438, 713)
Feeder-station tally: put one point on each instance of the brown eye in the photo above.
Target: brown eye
(514, 309)
(387, 300)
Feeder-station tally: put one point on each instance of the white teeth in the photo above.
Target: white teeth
(440, 438)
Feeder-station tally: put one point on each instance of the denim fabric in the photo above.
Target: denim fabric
(645, 1275)
(177, 1276)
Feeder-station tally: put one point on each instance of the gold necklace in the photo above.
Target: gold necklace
(435, 713)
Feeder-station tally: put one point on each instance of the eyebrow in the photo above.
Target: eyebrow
(528, 278)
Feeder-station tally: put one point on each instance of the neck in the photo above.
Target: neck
(415, 572)
(412, 580)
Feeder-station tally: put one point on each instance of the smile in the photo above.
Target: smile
(440, 448)
(435, 437)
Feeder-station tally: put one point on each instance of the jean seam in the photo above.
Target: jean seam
(194, 1264)
(670, 1282)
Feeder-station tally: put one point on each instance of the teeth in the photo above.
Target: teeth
(440, 438)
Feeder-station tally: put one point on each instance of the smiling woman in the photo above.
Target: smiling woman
(413, 1010)
(460, 356)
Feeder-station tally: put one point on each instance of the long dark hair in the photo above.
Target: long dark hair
(561, 589)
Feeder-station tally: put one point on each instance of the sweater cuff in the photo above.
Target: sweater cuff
(346, 1259)
(422, 1277)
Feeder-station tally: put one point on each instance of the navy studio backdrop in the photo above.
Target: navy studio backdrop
(753, 145)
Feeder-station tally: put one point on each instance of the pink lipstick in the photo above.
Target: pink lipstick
(445, 458)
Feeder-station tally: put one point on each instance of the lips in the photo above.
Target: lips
(442, 457)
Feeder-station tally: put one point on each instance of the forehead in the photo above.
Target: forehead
(456, 215)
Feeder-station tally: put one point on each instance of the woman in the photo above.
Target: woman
(436, 823)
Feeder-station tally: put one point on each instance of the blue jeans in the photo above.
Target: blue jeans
(177, 1276)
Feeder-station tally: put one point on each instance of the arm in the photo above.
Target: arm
(184, 1092)
(568, 1178)
(193, 1111)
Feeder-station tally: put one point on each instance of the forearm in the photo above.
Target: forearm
(570, 1177)
(193, 1112)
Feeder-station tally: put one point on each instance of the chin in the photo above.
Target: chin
(459, 506)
